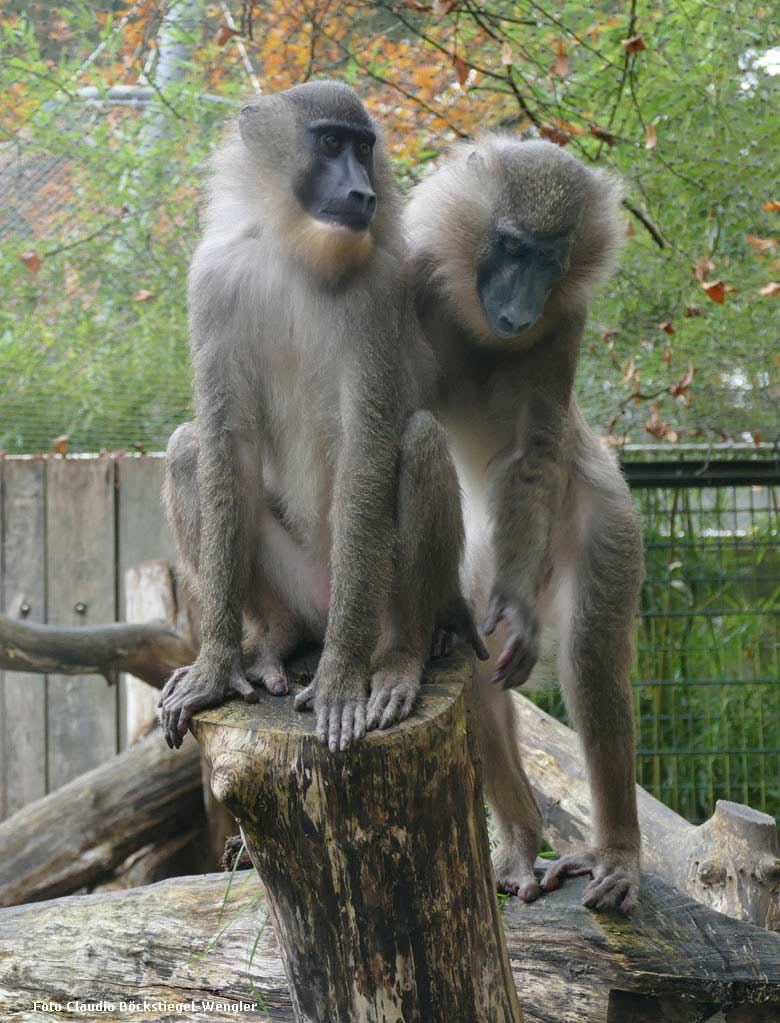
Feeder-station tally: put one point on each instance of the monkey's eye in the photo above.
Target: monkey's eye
(331, 144)
(364, 150)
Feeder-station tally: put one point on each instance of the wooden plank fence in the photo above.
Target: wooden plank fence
(69, 529)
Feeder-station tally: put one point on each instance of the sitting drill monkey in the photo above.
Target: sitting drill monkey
(312, 498)
(508, 240)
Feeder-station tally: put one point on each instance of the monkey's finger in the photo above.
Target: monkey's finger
(409, 701)
(347, 725)
(360, 721)
(322, 723)
(376, 705)
(334, 726)
(494, 615)
(630, 900)
(166, 730)
(606, 894)
(240, 684)
(187, 710)
(567, 866)
(303, 700)
(476, 642)
(393, 709)
(171, 684)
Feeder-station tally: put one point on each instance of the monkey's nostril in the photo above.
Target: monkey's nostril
(365, 201)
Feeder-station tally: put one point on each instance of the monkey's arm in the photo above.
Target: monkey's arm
(525, 495)
(218, 670)
(362, 520)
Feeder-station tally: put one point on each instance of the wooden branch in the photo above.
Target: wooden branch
(376, 861)
(77, 835)
(730, 863)
(208, 942)
(150, 652)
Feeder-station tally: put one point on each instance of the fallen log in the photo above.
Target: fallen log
(78, 835)
(376, 861)
(730, 863)
(207, 943)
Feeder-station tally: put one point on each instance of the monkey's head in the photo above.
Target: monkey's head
(322, 172)
(509, 230)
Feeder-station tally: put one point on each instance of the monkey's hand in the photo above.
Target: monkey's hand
(614, 873)
(521, 650)
(206, 683)
(338, 697)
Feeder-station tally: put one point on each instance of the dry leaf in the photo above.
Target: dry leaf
(143, 296)
(560, 138)
(702, 267)
(442, 7)
(760, 244)
(715, 290)
(60, 444)
(32, 261)
(655, 425)
(602, 134)
(634, 45)
(461, 70)
(683, 383)
(561, 65)
(667, 328)
(223, 34)
(756, 437)
(629, 372)
(608, 334)
(773, 288)
(506, 54)
(692, 310)
(630, 229)
(651, 139)
(667, 355)
(772, 206)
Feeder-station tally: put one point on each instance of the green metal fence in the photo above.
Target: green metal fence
(707, 671)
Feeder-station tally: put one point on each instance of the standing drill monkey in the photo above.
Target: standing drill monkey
(311, 497)
(508, 241)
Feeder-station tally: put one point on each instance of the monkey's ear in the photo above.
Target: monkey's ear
(260, 119)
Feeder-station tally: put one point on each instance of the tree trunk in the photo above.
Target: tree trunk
(376, 862)
(77, 835)
(730, 863)
(207, 941)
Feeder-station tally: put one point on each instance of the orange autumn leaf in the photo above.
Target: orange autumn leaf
(60, 444)
(561, 65)
(715, 290)
(692, 310)
(651, 138)
(667, 328)
(442, 7)
(602, 134)
(560, 138)
(32, 261)
(773, 288)
(683, 383)
(760, 244)
(634, 45)
(668, 356)
(655, 425)
(461, 70)
(223, 34)
(772, 206)
(143, 296)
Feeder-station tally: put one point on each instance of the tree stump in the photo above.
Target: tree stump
(376, 861)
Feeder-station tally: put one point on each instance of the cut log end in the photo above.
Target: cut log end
(376, 861)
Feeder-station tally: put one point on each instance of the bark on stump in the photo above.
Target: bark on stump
(376, 861)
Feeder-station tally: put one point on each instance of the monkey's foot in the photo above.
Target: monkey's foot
(200, 685)
(615, 874)
(395, 685)
(338, 698)
(456, 626)
(266, 669)
(521, 650)
(515, 873)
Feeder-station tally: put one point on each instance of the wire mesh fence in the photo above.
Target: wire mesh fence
(707, 670)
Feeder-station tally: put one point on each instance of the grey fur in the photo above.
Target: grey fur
(545, 502)
(290, 495)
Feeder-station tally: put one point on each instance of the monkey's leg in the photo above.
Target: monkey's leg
(515, 812)
(426, 593)
(596, 607)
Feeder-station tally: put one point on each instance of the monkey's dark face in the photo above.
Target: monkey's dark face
(516, 276)
(337, 186)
